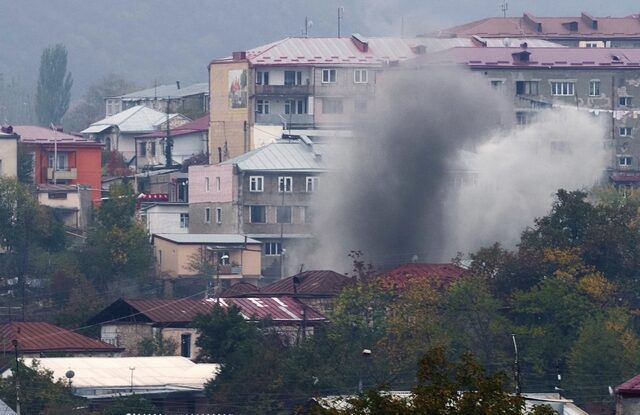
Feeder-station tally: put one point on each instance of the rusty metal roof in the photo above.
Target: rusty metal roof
(36, 337)
(33, 134)
(184, 310)
(439, 274)
(322, 283)
(240, 289)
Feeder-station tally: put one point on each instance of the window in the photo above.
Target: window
(292, 78)
(272, 248)
(257, 214)
(184, 220)
(218, 216)
(223, 257)
(283, 214)
(328, 76)
(594, 88)
(218, 183)
(160, 256)
(152, 148)
(262, 106)
(523, 118)
(591, 44)
(256, 183)
(360, 76)
(625, 131)
(624, 101)
(563, 88)
(285, 184)
(293, 106)
(625, 161)
(497, 84)
(207, 185)
(527, 87)
(332, 106)
(185, 345)
(262, 78)
(143, 149)
(312, 184)
(63, 160)
(207, 215)
(307, 214)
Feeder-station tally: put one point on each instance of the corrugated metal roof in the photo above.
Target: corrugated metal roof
(282, 156)
(136, 119)
(551, 27)
(34, 337)
(199, 125)
(164, 91)
(33, 134)
(329, 51)
(440, 274)
(322, 283)
(205, 238)
(239, 289)
(277, 309)
(152, 374)
(609, 58)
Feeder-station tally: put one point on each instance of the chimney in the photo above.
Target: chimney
(521, 56)
(360, 42)
(524, 45)
(7, 129)
(571, 26)
(530, 21)
(178, 84)
(419, 49)
(239, 56)
(589, 20)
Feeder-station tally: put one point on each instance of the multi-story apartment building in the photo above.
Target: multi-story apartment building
(294, 83)
(8, 152)
(584, 31)
(605, 82)
(264, 194)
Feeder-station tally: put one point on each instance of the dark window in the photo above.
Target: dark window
(257, 214)
(292, 78)
(185, 345)
(527, 87)
(143, 149)
(283, 214)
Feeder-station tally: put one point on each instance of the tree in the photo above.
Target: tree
(130, 404)
(54, 86)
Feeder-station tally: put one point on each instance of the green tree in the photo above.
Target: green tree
(54, 86)
(130, 404)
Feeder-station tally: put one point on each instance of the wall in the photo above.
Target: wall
(227, 135)
(128, 335)
(88, 163)
(8, 157)
(197, 183)
(165, 218)
(173, 334)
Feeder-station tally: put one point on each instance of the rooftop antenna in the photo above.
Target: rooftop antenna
(504, 7)
(307, 24)
(340, 17)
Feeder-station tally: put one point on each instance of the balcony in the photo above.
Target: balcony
(230, 269)
(290, 119)
(283, 90)
(62, 174)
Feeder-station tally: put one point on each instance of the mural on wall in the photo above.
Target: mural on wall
(238, 88)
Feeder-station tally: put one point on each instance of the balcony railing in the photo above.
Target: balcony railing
(230, 269)
(283, 90)
(62, 174)
(290, 119)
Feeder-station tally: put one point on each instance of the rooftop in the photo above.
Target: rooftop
(607, 58)
(440, 274)
(136, 119)
(196, 126)
(37, 337)
(583, 26)
(33, 134)
(164, 91)
(309, 283)
(283, 155)
(205, 238)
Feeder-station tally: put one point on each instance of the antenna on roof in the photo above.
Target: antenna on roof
(340, 17)
(307, 24)
(504, 7)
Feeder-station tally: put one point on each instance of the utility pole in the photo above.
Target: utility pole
(340, 17)
(55, 152)
(168, 149)
(516, 366)
(15, 348)
(504, 7)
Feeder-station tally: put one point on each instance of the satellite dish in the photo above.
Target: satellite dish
(70, 374)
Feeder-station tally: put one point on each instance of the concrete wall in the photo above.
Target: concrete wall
(165, 219)
(8, 157)
(198, 176)
(128, 336)
(174, 335)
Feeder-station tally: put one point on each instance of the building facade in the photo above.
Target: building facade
(8, 152)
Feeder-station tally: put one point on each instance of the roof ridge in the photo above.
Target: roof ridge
(272, 45)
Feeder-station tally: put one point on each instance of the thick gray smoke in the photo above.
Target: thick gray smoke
(438, 169)
(387, 198)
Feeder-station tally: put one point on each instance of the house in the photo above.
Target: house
(174, 384)
(627, 396)
(603, 82)
(438, 275)
(8, 152)
(584, 31)
(317, 289)
(189, 140)
(40, 339)
(265, 194)
(127, 323)
(192, 100)
(118, 131)
(294, 83)
(164, 217)
(73, 203)
(79, 159)
(230, 257)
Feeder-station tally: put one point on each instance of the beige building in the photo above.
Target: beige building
(8, 152)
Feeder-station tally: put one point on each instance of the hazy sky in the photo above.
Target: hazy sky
(169, 40)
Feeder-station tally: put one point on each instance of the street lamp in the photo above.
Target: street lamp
(132, 368)
(223, 258)
(365, 354)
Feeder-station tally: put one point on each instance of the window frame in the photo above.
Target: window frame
(207, 215)
(563, 88)
(184, 221)
(594, 88)
(262, 77)
(62, 156)
(329, 78)
(263, 106)
(358, 77)
(272, 249)
(336, 107)
(527, 87)
(628, 161)
(207, 184)
(626, 102)
(311, 184)
(282, 184)
(622, 131)
(219, 216)
(264, 214)
(284, 220)
(259, 180)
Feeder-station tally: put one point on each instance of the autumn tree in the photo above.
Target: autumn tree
(54, 86)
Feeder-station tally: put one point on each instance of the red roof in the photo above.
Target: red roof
(239, 289)
(550, 27)
(630, 387)
(36, 337)
(323, 283)
(33, 134)
(595, 58)
(183, 311)
(196, 126)
(441, 274)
